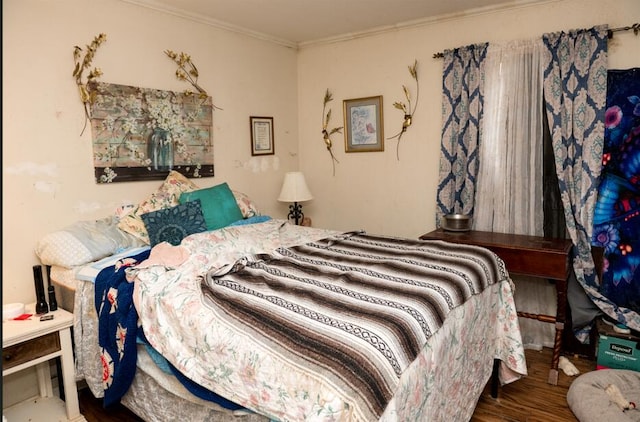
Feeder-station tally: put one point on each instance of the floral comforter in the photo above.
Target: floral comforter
(441, 379)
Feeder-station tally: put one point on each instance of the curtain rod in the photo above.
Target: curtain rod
(635, 27)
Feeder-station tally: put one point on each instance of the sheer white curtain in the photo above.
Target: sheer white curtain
(509, 195)
(509, 191)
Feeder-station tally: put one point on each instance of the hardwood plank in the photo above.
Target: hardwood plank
(532, 398)
(93, 411)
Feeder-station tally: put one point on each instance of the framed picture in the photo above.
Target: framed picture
(143, 134)
(262, 136)
(363, 124)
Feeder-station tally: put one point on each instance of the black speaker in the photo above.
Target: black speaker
(41, 301)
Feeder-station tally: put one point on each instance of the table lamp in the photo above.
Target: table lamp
(294, 189)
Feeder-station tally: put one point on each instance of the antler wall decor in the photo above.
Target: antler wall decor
(407, 109)
(86, 95)
(326, 134)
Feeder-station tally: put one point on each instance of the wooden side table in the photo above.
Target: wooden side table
(535, 256)
(33, 342)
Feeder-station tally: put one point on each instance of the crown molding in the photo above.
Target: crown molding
(177, 11)
(181, 13)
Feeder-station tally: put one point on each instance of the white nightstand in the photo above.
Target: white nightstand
(33, 343)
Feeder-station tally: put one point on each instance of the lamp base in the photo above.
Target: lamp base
(295, 213)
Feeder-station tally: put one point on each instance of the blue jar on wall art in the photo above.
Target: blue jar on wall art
(161, 150)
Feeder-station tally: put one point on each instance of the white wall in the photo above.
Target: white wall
(47, 175)
(374, 190)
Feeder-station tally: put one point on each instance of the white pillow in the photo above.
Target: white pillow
(84, 242)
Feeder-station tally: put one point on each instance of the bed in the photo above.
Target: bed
(297, 323)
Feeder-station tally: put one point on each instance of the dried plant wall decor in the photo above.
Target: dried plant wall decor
(141, 133)
(83, 63)
(326, 133)
(188, 72)
(408, 109)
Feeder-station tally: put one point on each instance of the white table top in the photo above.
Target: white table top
(14, 332)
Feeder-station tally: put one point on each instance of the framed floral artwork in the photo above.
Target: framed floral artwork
(363, 124)
(142, 134)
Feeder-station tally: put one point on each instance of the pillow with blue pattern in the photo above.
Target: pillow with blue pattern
(175, 223)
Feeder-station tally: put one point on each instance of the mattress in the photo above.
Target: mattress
(64, 282)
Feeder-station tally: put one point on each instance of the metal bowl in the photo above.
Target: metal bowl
(456, 222)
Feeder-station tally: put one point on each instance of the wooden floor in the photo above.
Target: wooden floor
(92, 410)
(527, 400)
(532, 399)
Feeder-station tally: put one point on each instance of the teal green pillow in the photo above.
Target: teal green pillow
(219, 206)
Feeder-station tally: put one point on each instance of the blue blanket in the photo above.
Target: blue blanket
(117, 328)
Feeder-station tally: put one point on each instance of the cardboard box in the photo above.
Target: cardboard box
(617, 351)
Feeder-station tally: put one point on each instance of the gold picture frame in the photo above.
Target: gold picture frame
(262, 135)
(363, 124)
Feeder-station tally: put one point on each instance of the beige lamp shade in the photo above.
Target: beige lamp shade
(294, 188)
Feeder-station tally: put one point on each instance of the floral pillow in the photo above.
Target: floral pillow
(175, 223)
(167, 196)
(247, 207)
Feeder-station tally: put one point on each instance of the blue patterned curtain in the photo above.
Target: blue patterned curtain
(462, 105)
(575, 87)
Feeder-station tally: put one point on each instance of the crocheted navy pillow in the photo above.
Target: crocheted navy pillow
(175, 223)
